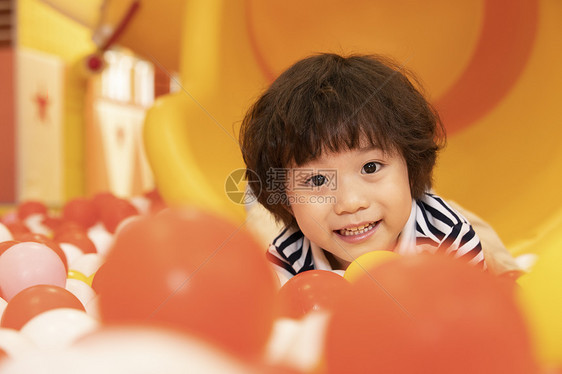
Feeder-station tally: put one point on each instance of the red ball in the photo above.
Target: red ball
(103, 200)
(313, 290)
(17, 228)
(35, 300)
(428, 314)
(7, 244)
(114, 213)
(194, 271)
(157, 203)
(28, 208)
(78, 238)
(82, 211)
(52, 223)
(40, 238)
(66, 226)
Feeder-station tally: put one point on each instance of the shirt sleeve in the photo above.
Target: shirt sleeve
(463, 243)
(447, 231)
(290, 254)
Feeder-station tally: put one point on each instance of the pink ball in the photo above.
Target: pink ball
(28, 264)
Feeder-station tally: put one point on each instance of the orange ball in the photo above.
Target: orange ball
(194, 271)
(312, 290)
(79, 238)
(430, 314)
(35, 300)
(82, 211)
(30, 207)
(114, 211)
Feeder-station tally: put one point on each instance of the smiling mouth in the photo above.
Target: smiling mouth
(351, 231)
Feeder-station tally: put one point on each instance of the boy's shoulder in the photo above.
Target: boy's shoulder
(434, 209)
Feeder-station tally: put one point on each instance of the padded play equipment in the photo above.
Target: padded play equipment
(490, 67)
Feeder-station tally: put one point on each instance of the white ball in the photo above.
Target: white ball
(58, 328)
(102, 239)
(86, 264)
(81, 290)
(34, 222)
(5, 234)
(93, 308)
(14, 343)
(3, 304)
(71, 252)
(142, 203)
(137, 350)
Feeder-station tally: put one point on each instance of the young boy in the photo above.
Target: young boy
(341, 150)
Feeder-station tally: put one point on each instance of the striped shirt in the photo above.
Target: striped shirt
(433, 226)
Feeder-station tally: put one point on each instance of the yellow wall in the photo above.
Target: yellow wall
(42, 28)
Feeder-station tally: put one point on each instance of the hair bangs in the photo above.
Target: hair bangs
(334, 129)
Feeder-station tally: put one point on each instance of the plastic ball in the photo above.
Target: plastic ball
(313, 290)
(82, 290)
(58, 328)
(3, 304)
(75, 274)
(80, 210)
(27, 264)
(35, 300)
(78, 238)
(429, 314)
(194, 271)
(87, 264)
(7, 244)
(112, 214)
(131, 349)
(157, 203)
(5, 233)
(30, 207)
(361, 266)
(112, 210)
(35, 223)
(71, 252)
(51, 223)
(40, 238)
(15, 344)
(17, 228)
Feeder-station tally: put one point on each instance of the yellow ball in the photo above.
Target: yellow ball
(367, 261)
(90, 279)
(74, 274)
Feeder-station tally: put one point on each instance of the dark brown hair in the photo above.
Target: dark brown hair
(331, 103)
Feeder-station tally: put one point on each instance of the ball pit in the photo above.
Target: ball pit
(194, 280)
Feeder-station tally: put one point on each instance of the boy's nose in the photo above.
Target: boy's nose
(350, 198)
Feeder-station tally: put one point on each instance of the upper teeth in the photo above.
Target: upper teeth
(357, 230)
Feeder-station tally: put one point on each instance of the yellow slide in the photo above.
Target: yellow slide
(490, 66)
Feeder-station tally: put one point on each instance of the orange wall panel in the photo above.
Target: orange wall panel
(7, 129)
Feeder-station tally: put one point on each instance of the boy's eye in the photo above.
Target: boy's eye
(317, 180)
(370, 167)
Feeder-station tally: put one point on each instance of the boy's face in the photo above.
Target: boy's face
(352, 202)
